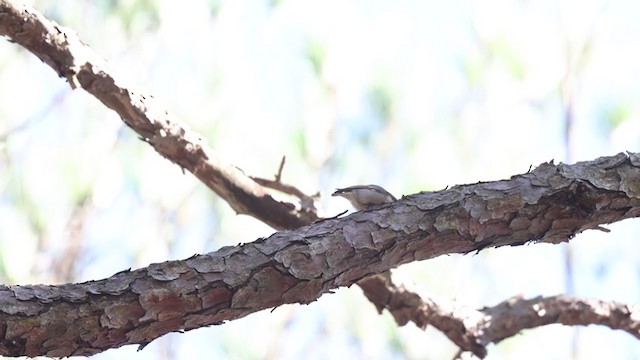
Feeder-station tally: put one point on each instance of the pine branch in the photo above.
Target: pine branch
(553, 203)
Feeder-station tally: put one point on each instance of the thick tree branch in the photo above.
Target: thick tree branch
(61, 49)
(550, 204)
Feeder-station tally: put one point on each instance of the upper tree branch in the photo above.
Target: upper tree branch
(550, 204)
(61, 49)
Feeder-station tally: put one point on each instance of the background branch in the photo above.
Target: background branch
(72, 59)
(472, 330)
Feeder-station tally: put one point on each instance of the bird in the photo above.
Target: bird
(365, 197)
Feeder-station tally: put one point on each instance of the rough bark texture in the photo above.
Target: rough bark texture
(61, 49)
(550, 204)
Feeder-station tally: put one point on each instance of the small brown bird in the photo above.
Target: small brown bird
(364, 197)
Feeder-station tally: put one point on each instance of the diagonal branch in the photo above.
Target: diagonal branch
(550, 204)
(72, 59)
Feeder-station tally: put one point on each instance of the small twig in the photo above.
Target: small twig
(331, 218)
(458, 355)
(276, 185)
(306, 201)
(279, 174)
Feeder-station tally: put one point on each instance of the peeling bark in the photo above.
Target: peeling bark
(550, 204)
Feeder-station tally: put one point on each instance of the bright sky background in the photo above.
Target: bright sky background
(411, 95)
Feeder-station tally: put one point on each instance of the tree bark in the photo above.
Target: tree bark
(550, 204)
